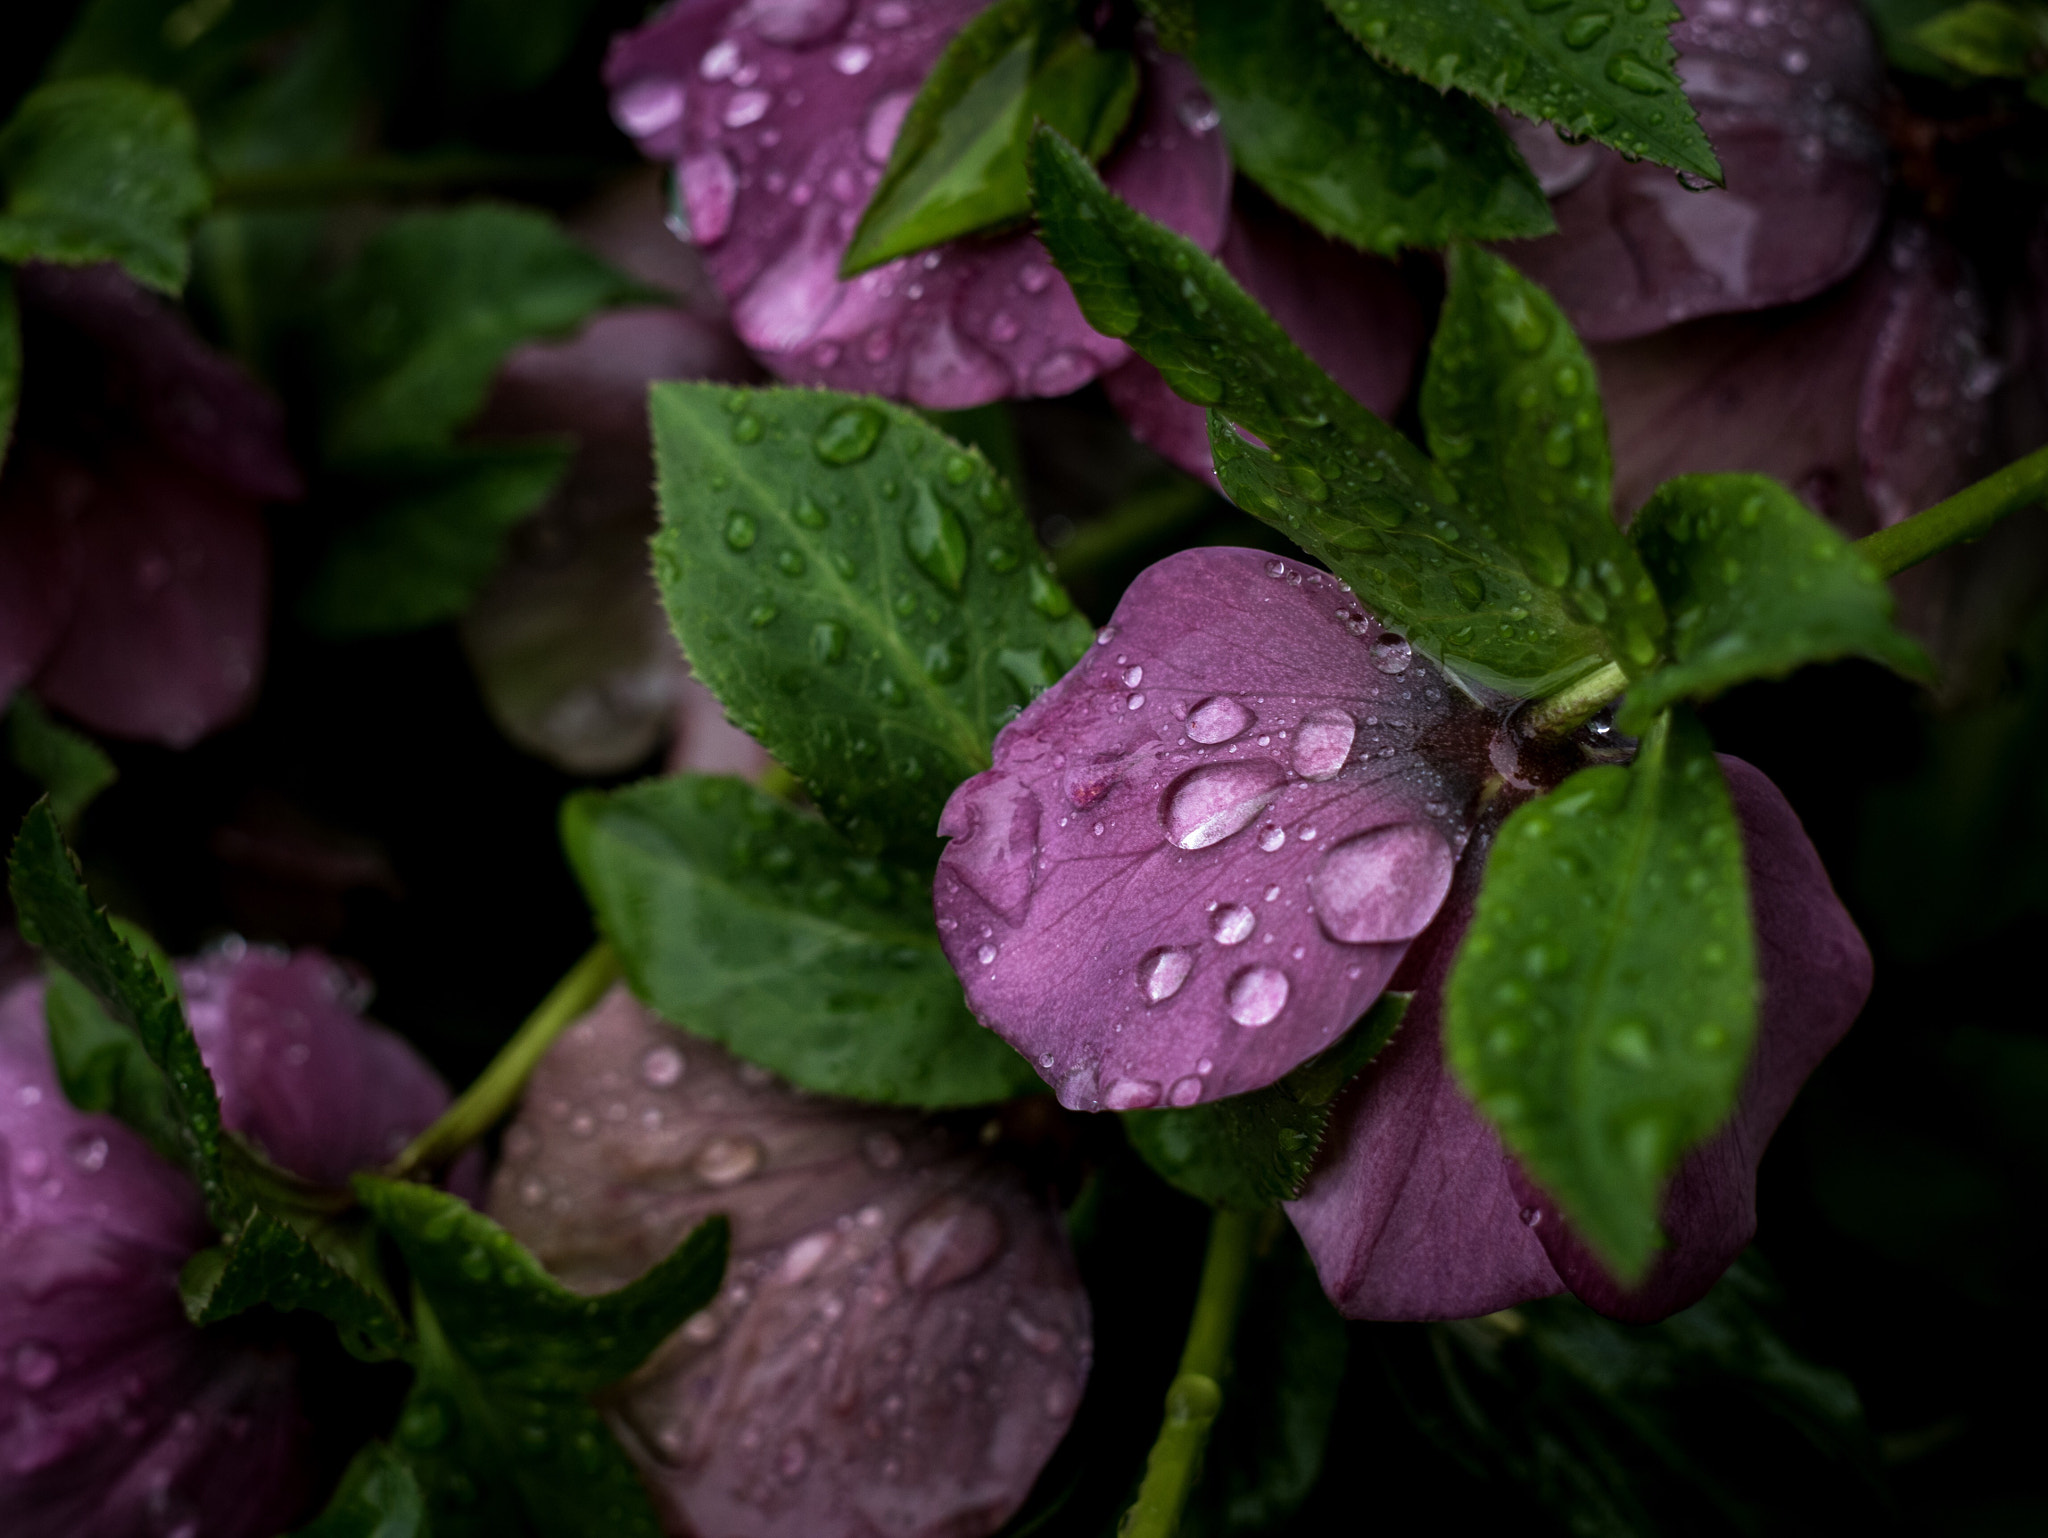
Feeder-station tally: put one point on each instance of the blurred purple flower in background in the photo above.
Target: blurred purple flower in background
(902, 1339)
(134, 568)
(118, 1417)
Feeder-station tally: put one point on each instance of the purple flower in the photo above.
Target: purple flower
(902, 1339)
(1202, 854)
(779, 116)
(134, 576)
(117, 1417)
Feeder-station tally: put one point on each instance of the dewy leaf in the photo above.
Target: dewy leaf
(1333, 477)
(861, 593)
(379, 1497)
(1756, 586)
(414, 330)
(332, 1273)
(69, 766)
(958, 164)
(1253, 1152)
(742, 920)
(101, 1065)
(1362, 153)
(1595, 69)
(103, 170)
(499, 1428)
(1986, 38)
(434, 536)
(1602, 1009)
(1512, 408)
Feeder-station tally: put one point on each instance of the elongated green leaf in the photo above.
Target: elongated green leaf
(1363, 153)
(741, 920)
(328, 1268)
(379, 1497)
(499, 1429)
(1601, 1011)
(69, 766)
(103, 170)
(436, 533)
(1987, 38)
(958, 164)
(1757, 586)
(1333, 477)
(102, 1066)
(1595, 69)
(1252, 1152)
(413, 332)
(862, 594)
(1512, 409)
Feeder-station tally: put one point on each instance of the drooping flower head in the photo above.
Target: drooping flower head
(902, 1340)
(117, 1416)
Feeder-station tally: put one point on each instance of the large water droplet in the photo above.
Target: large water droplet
(1585, 30)
(1391, 654)
(936, 540)
(1257, 995)
(849, 435)
(1207, 805)
(798, 23)
(1131, 1095)
(726, 1161)
(1162, 972)
(1322, 743)
(1217, 719)
(1186, 1091)
(1382, 886)
(1232, 924)
(947, 1242)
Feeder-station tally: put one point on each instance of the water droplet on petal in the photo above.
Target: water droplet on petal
(1232, 924)
(726, 1161)
(1207, 805)
(1185, 1091)
(1271, 837)
(1391, 654)
(1257, 995)
(1382, 886)
(661, 1067)
(947, 1242)
(1322, 743)
(1162, 972)
(853, 58)
(1217, 719)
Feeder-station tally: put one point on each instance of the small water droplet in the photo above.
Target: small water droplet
(936, 540)
(661, 1067)
(828, 640)
(88, 1150)
(747, 429)
(986, 955)
(1135, 702)
(1133, 676)
(1186, 1091)
(1232, 924)
(1322, 744)
(1271, 837)
(1162, 972)
(1209, 804)
(1217, 719)
(1257, 995)
(741, 530)
(849, 435)
(726, 1161)
(1583, 31)
(1391, 654)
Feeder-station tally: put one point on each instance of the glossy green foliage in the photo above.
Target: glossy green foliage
(102, 170)
(434, 536)
(1756, 586)
(414, 330)
(1363, 153)
(1345, 486)
(1253, 1152)
(272, 1262)
(1603, 1005)
(861, 593)
(499, 1429)
(101, 1064)
(958, 164)
(379, 1497)
(1512, 409)
(742, 920)
(1594, 68)
(69, 766)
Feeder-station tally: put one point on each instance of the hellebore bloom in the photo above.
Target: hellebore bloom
(118, 1417)
(902, 1339)
(779, 116)
(1202, 854)
(134, 576)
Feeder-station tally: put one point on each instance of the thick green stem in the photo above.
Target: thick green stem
(379, 176)
(496, 1089)
(1576, 703)
(1195, 1397)
(1967, 515)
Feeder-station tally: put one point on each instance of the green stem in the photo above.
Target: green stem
(1195, 1397)
(1576, 702)
(1967, 515)
(373, 176)
(492, 1095)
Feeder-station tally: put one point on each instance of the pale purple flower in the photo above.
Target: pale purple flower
(134, 567)
(902, 1339)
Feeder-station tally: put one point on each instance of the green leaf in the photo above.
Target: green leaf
(101, 1065)
(1595, 69)
(435, 536)
(325, 1266)
(1986, 38)
(1895, 22)
(69, 766)
(1362, 153)
(379, 1497)
(958, 164)
(1756, 586)
(499, 1428)
(1333, 477)
(1252, 1152)
(103, 170)
(1602, 1008)
(1512, 408)
(741, 920)
(10, 360)
(861, 593)
(1175, 20)
(415, 329)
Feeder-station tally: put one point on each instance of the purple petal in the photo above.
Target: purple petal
(780, 119)
(1201, 854)
(1789, 95)
(1348, 311)
(193, 402)
(1870, 403)
(902, 1339)
(117, 1417)
(165, 638)
(39, 500)
(301, 1073)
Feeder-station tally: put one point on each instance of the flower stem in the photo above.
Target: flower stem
(1576, 702)
(480, 1106)
(1967, 515)
(1195, 1396)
